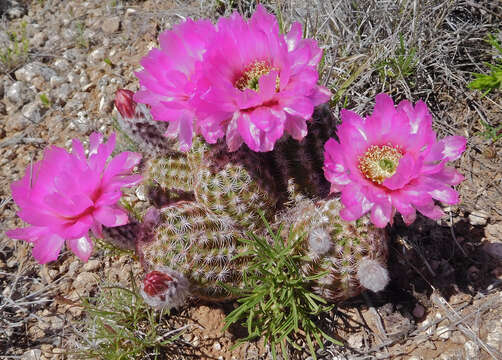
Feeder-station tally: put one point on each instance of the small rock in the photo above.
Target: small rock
(443, 332)
(62, 65)
(33, 354)
(62, 93)
(110, 25)
(73, 55)
(84, 282)
(457, 338)
(77, 102)
(97, 56)
(355, 341)
(92, 265)
(494, 249)
(31, 70)
(478, 218)
(56, 81)
(15, 10)
(17, 122)
(471, 350)
(39, 39)
(33, 112)
(217, 346)
(19, 93)
(418, 311)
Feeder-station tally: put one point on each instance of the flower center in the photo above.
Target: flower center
(380, 162)
(252, 74)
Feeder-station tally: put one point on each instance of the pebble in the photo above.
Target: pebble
(92, 265)
(111, 25)
(217, 346)
(15, 10)
(62, 65)
(478, 218)
(418, 311)
(97, 56)
(39, 39)
(443, 332)
(494, 249)
(19, 93)
(33, 112)
(17, 122)
(33, 354)
(77, 102)
(31, 70)
(62, 93)
(471, 350)
(85, 281)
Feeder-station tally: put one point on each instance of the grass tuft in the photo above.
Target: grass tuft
(15, 52)
(119, 325)
(492, 80)
(276, 301)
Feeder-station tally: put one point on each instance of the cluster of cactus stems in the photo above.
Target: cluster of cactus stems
(192, 209)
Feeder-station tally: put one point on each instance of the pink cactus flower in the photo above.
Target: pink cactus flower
(391, 161)
(168, 81)
(64, 195)
(257, 84)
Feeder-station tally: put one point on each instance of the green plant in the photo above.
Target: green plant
(45, 100)
(81, 40)
(400, 66)
(493, 80)
(492, 133)
(276, 299)
(16, 52)
(121, 326)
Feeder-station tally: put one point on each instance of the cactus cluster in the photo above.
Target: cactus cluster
(208, 198)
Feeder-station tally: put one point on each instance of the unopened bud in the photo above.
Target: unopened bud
(165, 288)
(156, 282)
(124, 103)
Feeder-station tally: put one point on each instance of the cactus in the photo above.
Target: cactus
(209, 198)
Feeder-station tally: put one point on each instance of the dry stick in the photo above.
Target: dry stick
(465, 329)
(454, 237)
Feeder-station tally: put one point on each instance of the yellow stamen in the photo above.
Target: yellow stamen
(380, 162)
(252, 74)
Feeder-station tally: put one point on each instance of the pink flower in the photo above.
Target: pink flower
(64, 195)
(391, 161)
(257, 84)
(168, 81)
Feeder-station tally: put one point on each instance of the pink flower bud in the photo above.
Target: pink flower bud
(124, 103)
(156, 283)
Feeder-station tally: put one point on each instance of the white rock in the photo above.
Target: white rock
(19, 93)
(443, 332)
(29, 71)
(478, 218)
(110, 25)
(97, 56)
(34, 354)
(471, 350)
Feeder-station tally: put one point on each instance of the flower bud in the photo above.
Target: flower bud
(124, 103)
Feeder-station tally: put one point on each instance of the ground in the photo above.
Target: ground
(57, 82)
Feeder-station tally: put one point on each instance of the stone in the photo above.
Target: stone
(471, 350)
(443, 332)
(15, 10)
(418, 311)
(92, 265)
(355, 341)
(19, 93)
(494, 249)
(478, 218)
(62, 65)
(33, 112)
(73, 55)
(77, 102)
(17, 122)
(33, 354)
(62, 93)
(217, 346)
(84, 282)
(29, 71)
(110, 25)
(97, 56)
(56, 81)
(39, 39)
